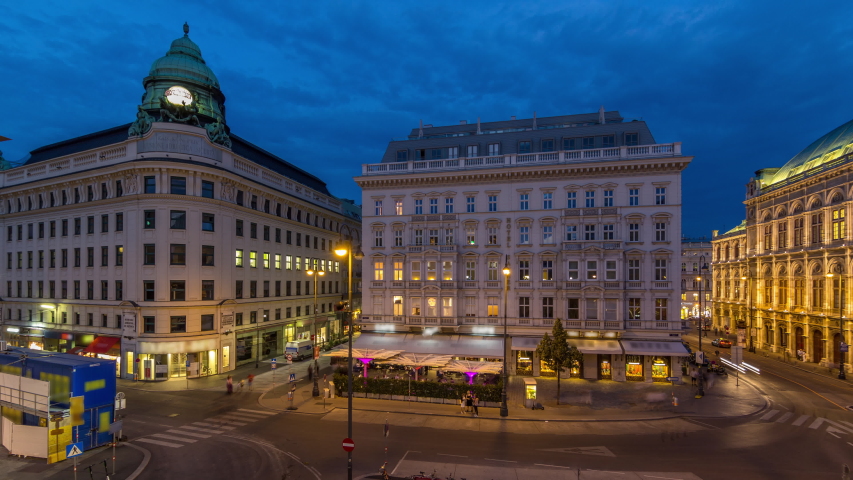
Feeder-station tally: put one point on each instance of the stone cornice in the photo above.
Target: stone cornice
(467, 177)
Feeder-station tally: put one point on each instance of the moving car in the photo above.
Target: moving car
(721, 342)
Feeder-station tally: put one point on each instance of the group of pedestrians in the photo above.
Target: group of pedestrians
(229, 383)
(469, 403)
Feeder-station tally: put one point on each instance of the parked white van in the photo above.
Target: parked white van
(300, 349)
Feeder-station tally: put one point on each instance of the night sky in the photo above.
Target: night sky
(326, 85)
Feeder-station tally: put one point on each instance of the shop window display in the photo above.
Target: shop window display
(523, 362)
(660, 368)
(634, 368)
(605, 368)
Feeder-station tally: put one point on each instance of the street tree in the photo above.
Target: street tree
(556, 352)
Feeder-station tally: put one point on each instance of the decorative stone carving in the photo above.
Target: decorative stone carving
(178, 113)
(142, 123)
(131, 184)
(228, 191)
(217, 134)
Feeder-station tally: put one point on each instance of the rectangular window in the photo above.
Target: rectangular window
(571, 199)
(266, 260)
(524, 147)
(608, 141)
(547, 307)
(447, 270)
(633, 197)
(398, 270)
(817, 228)
(571, 233)
(177, 290)
(207, 255)
(573, 310)
(419, 206)
(635, 308)
(379, 270)
(105, 223)
(253, 231)
(494, 149)
(607, 232)
(633, 232)
(90, 226)
(253, 259)
(178, 220)
(547, 145)
(105, 289)
(207, 220)
(590, 198)
(660, 232)
(148, 324)
(448, 205)
(239, 228)
(632, 139)
(470, 235)
(288, 262)
(150, 184)
(448, 236)
(207, 290)
(398, 206)
(610, 269)
(573, 270)
(278, 261)
(493, 203)
(547, 270)
(206, 322)
(524, 307)
(661, 313)
(524, 235)
(119, 290)
(377, 207)
(177, 254)
(178, 185)
(105, 256)
(178, 324)
(660, 196)
(589, 232)
(608, 198)
(634, 270)
(206, 189)
(660, 269)
(592, 270)
(547, 201)
(148, 219)
(90, 257)
(591, 308)
(398, 238)
(469, 204)
(433, 205)
(838, 224)
(524, 201)
(524, 269)
(415, 270)
(148, 257)
(493, 235)
(588, 142)
(377, 238)
(470, 270)
(148, 290)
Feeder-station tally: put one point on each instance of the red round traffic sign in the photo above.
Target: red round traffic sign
(348, 444)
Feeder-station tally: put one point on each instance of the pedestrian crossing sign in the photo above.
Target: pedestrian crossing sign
(292, 377)
(73, 449)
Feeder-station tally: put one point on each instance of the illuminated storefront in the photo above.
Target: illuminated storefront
(523, 362)
(660, 368)
(605, 368)
(634, 368)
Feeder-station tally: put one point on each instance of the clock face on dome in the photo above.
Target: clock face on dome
(179, 96)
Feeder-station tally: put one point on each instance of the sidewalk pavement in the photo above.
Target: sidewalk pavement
(128, 459)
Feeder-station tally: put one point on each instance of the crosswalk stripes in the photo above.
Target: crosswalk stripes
(188, 434)
(770, 414)
(801, 420)
(785, 416)
(812, 423)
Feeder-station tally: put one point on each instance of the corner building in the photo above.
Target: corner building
(585, 210)
(170, 244)
(783, 274)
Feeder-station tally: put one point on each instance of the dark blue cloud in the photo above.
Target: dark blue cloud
(744, 85)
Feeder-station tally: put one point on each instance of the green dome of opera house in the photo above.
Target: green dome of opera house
(820, 153)
(183, 66)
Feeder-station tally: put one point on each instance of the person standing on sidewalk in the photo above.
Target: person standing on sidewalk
(229, 385)
(462, 404)
(474, 402)
(250, 379)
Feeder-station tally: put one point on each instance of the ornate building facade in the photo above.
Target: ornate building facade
(783, 274)
(170, 244)
(585, 212)
(695, 282)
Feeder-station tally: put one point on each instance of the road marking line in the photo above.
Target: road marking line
(496, 460)
(605, 471)
(223, 427)
(258, 411)
(247, 415)
(169, 437)
(809, 389)
(179, 432)
(784, 418)
(816, 423)
(770, 414)
(851, 444)
(844, 429)
(394, 472)
(158, 442)
(834, 435)
(801, 420)
(449, 455)
(555, 466)
(229, 420)
(241, 418)
(239, 424)
(205, 430)
(846, 423)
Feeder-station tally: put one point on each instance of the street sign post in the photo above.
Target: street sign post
(348, 445)
(292, 377)
(289, 359)
(188, 374)
(737, 359)
(73, 450)
(272, 364)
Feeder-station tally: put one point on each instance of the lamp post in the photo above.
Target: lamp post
(748, 285)
(703, 269)
(316, 391)
(342, 250)
(506, 272)
(841, 374)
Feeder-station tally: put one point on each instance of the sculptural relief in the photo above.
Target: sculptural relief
(131, 184)
(142, 124)
(183, 113)
(228, 191)
(217, 134)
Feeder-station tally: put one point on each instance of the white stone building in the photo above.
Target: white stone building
(169, 244)
(584, 209)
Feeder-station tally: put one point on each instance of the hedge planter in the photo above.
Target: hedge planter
(433, 392)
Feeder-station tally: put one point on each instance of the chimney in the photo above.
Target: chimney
(478, 126)
(512, 117)
(421, 129)
(534, 120)
(463, 122)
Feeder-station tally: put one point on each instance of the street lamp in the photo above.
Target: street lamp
(347, 250)
(748, 280)
(841, 374)
(703, 269)
(506, 272)
(316, 391)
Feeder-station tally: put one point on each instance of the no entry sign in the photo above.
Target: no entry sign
(348, 445)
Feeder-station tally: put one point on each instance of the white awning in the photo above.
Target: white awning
(649, 347)
(597, 346)
(527, 344)
(456, 345)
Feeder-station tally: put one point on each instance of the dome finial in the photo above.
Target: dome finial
(186, 29)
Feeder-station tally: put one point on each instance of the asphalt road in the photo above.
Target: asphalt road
(802, 435)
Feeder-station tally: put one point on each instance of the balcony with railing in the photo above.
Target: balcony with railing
(609, 325)
(516, 160)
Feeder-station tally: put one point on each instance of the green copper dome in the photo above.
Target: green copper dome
(825, 149)
(183, 60)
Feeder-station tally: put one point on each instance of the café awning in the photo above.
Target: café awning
(650, 347)
(102, 344)
(595, 346)
(527, 344)
(456, 345)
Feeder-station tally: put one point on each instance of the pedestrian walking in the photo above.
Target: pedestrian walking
(241, 386)
(229, 385)
(250, 379)
(462, 404)
(474, 402)
(693, 375)
(469, 403)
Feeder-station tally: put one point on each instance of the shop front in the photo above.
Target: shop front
(159, 361)
(651, 361)
(108, 348)
(598, 356)
(258, 344)
(524, 356)
(634, 368)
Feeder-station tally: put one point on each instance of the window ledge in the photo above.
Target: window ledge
(661, 243)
